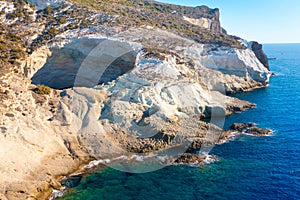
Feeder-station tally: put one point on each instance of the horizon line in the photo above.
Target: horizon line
(280, 42)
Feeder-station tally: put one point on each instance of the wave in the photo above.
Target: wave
(96, 163)
(255, 135)
(56, 194)
(211, 159)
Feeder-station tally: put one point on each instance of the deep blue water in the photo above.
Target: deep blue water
(249, 167)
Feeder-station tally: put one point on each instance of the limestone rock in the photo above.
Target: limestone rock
(147, 100)
(205, 18)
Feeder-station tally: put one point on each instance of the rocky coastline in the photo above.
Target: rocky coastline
(191, 157)
(153, 90)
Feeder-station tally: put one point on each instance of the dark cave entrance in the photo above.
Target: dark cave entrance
(86, 62)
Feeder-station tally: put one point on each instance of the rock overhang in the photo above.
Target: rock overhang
(85, 62)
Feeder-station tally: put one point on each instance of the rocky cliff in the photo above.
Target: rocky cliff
(260, 54)
(205, 18)
(126, 79)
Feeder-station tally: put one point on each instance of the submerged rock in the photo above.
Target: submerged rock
(237, 129)
(241, 127)
(259, 131)
(188, 158)
(251, 128)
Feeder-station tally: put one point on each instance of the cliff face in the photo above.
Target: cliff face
(260, 54)
(153, 100)
(136, 83)
(204, 17)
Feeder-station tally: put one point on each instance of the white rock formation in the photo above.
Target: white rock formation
(8, 8)
(239, 62)
(184, 79)
(183, 83)
(172, 80)
(201, 22)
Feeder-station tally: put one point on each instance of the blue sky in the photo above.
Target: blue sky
(266, 21)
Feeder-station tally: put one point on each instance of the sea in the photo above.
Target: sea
(247, 168)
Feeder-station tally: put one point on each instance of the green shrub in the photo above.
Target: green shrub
(32, 5)
(42, 90)
(52, 31)
(2, 47)
(13, 38)
(84, 23)
(49, 10)
(62, 20)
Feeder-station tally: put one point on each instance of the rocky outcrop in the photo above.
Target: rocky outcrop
(242, 63)
(238, 129)
(251, 128)
(57, 73)
(205, 17)
(260, 54)
(149, 106)
(193, 154)
(33, 63)
(141, 93)
(190, 159)
(166, 88)
(35, 150)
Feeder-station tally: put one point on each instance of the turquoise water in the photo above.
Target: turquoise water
(249, 167)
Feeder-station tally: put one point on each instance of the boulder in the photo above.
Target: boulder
(251, 128)
(188, 158)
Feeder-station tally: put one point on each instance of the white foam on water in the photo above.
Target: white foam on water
(56, 194)
(137, 158)
(95, 163)
(254, 135)
(163, 159)
(230, 137)
(121, 158)
(210, 159)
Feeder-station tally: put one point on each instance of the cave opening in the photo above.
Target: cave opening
(85, 62)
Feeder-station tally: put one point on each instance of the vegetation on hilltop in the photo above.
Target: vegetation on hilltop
(135, 13)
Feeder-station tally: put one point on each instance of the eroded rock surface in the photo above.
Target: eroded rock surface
(64, 64)
(146, 101)
(152, 100)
